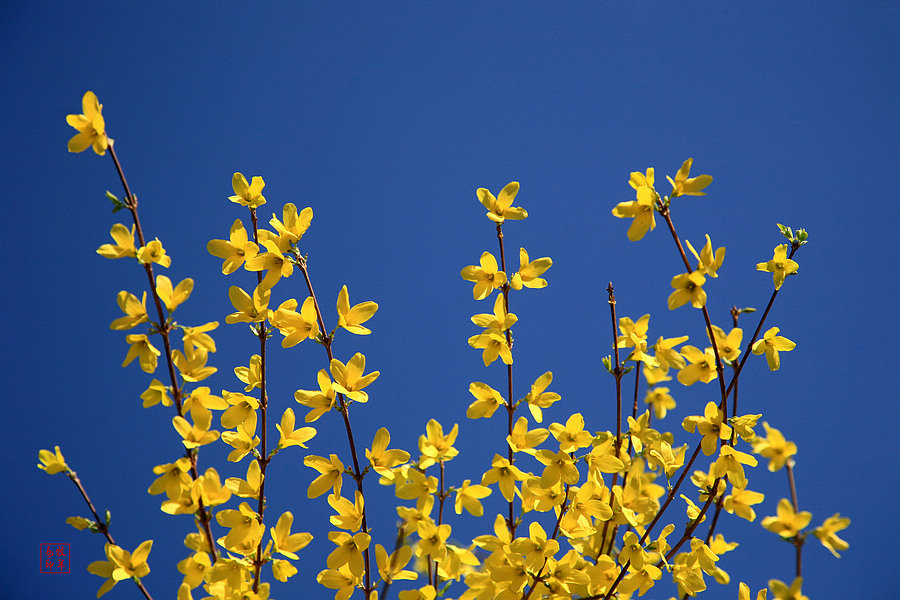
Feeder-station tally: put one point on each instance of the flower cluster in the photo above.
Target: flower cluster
(580, 511)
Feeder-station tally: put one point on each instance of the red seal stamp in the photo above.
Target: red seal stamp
(55, 558)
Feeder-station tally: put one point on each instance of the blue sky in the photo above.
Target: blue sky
(385, 118)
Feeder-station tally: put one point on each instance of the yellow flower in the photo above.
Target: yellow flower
(272, 262)
(433, 539)
(780, 266)
(331, 470)
(247, 194)
(212, 492)
(523, 440)
(711, 426)
(349, 514)
(154, 253)
(292, 226)
(294, 326)
(688, 288)
(143, 350)
(173, 478)
(662, 454)
(349, 551)
(535, 548)
(247, 488)
(130, 564)
(156, 393)
(744, 592)
(529, 271)
(198, 434)
(282, 569)
(740, 501)
(783, 592)
(198, 338)
(242, 442)
(241, 411)
(487, 400)
(744, 425)
(320, 402)
(391, 567)
(352, 319)
(381, 458)
(493, 345)
(684, 186)
(340, 579)
(500, 320)
(505, 474)
(500, 208)
(412, 484)
(423, 593)
(661, 401)
(827, 533)
(121, 564)
(629, 327)
(291, 436)
(771, 344)
(730, 461)
(702, 367)
(135, 311)
(251, 375)
(52, 463)
(667, 356)
(774, 447)
(244, 526)
(349, 379)
(572, 435)
(192, 363)
(90, 125)
(537, 399)
(249, 310)
(707, 262)
(641, 209)
(468, 496)
(787, 523)
(729, 346)
(124, 245)
(486, 277)
(558, 466)
(435, 446)
(235, 250)
(284, 541)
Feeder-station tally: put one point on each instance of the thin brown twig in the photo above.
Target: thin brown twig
(344, 409)
(164, 328)
(102, 525)
(510, 407)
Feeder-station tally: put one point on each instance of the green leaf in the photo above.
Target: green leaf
(607, 363)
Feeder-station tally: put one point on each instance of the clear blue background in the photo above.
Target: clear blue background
(385, 118)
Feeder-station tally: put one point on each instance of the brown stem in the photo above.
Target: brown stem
(759, 327)
(101, 525)
(562, 511)
(441, 497)
(164, 330)
(510, 407)
(637, 385)
(618, 373)
(720, 368)
(263, 458)
(397, 544)
(798, 540)
(344, 409)
(689, 530)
